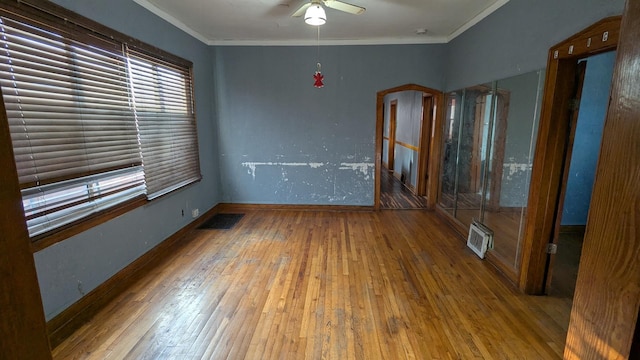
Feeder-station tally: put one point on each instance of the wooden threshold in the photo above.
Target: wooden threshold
(80, 312)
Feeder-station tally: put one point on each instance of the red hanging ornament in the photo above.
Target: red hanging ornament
(318, 77)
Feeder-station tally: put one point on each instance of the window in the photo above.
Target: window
(162, 103)
(95, 122)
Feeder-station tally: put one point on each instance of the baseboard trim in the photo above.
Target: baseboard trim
(228, 207)
(80, 312)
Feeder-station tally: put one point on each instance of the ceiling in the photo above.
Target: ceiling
(268, 22)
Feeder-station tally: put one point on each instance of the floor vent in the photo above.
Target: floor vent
(480, 237)
(221, 221)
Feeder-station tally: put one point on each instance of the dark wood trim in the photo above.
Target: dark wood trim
(607, 295)
(581, 70)
(424, 147)
(228, 207)
(550, 145)
(72, 318)
(23, 332)
(378, 159)
(393, 126)
(434, 151)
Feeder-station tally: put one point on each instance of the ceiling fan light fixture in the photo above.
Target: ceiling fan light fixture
(315, 15)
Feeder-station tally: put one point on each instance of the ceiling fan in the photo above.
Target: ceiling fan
(314, 12)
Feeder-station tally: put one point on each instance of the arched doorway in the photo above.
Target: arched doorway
(427, 149)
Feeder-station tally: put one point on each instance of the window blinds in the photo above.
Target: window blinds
(92, 124)
(67, 105)
(166, 121)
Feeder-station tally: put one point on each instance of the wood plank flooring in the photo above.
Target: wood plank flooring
(324, 285)
(394, 195)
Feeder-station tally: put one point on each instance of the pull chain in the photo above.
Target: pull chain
(318, 77)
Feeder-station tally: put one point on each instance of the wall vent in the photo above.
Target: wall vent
(480, 238)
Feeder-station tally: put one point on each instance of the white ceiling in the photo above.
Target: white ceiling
(268, 22)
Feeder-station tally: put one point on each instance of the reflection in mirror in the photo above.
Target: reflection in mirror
(449, 152)
(513, 151)
(473, 147)
(488, 142)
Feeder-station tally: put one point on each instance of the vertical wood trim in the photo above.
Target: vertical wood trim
(607, 296)
(439, 114)
(573, 124)
(23, 331)
(393, 123)
(423, 146)
(378, 160)
(550, 145)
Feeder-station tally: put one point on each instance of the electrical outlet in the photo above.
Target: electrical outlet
(195, 213)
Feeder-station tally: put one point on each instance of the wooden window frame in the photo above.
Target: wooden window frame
(80, 27)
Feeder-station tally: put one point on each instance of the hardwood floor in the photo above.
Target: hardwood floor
(312, 284)
(394, 195)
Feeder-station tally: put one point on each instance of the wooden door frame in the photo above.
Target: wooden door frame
(23, 330)
(426, 129)
(433, 146)
(604, 316)
(553, 135)
(393, 125)
(573, 123)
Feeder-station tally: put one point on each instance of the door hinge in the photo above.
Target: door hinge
(552, 248)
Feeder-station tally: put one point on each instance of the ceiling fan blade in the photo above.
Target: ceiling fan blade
(301, 10)
(343, 6)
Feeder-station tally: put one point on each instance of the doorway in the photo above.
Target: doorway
(406, 147)
(551, 148)
(593, 83)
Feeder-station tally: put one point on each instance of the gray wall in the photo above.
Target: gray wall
(282, 141)
(516, 38)
(70, 269)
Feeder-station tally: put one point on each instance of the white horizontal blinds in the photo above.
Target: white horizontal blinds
(51, 206)
(71, 121)
(67, 105)
(162, 93)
